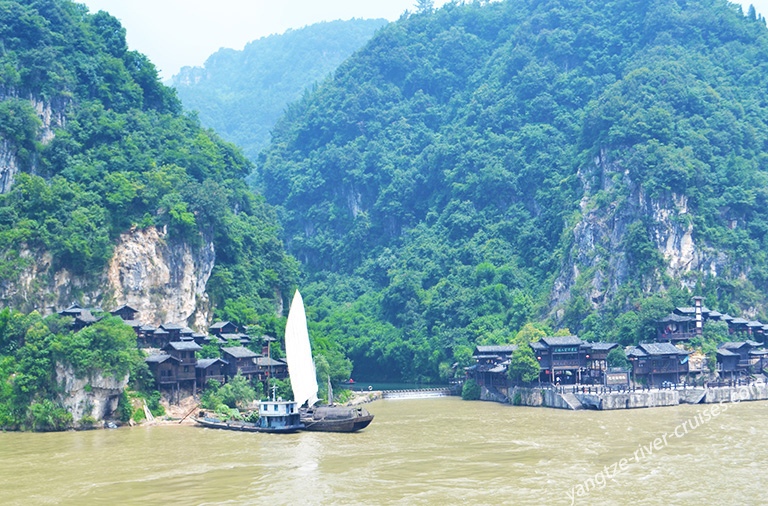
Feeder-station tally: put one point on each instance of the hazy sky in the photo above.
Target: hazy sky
(175, 33)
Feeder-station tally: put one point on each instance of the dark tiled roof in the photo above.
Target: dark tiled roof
(268, 362)
(562, 341)
(735, 345)
(602, 346)
(204, 363)
(147, 328)
(124, 306)
(754, 324)
(726, 317)
(133, 323)
(184, 346)
(661, 349)
(235, 336)
(85, 316)
(160, 358)
(676, 318)
(715, 314)
(219, 325)
(739, 321)
(507, 348)
(537, 346)
(171, 326)
(724, 352)
(187, 330)
(161, 332)
(239, 352)
(73, 309)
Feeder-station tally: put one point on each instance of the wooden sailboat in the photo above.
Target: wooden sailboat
(301, 369)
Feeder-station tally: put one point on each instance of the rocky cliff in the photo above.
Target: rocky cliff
(95, 395)
(51, 117)
(164, 280)
(599, 250)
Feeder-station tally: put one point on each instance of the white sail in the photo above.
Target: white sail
(298, 353)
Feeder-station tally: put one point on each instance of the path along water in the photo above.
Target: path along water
(425, 451)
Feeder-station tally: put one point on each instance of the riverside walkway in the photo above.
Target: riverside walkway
(417, 393)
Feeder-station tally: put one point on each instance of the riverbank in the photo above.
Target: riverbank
(600, 399)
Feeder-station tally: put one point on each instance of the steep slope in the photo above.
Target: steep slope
(97, 159)
(241, 94)
(485, 165)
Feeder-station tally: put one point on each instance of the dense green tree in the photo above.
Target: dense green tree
(617, 358)
(523, 366)
(486, 165)
(470, 391)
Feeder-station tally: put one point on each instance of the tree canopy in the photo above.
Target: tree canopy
(488, 164)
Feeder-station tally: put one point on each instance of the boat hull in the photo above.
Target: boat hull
(246, 427)
(332, 419)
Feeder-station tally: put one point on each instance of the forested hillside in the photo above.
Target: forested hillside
(99, 146)
(241, 94)
(92, 145)
(476, 168)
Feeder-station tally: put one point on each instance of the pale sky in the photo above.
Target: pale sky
(177, 33)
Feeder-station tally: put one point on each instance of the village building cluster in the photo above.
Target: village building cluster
(172, 351)
(570, 360)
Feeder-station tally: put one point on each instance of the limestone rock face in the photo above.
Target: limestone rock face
(95, 395)
(598, 249)
(51, 116)
(9, 167)
(163, 281)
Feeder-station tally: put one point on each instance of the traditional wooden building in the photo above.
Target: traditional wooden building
(267, 367)
(125, 312)
(210, 369)
(220, 328)
(491, 363)
(561, 359)
(656, 363)
(185, 352)
(73, 310)
(173, 329)
(159, 338)
(164, 368)
(596, 361)
(240, 360)
(739, 358)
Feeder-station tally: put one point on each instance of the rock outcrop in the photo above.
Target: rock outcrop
(598, 250)
(95, 395)
(164, 281)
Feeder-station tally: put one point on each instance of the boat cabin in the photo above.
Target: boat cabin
(278, 414)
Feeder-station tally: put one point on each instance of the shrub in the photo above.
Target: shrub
(470, 391)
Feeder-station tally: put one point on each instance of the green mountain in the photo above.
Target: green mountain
(241, 94)
(97, 147)
(491, 164)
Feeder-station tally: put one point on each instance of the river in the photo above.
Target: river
(428, 451)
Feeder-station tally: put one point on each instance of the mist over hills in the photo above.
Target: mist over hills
(241, 94)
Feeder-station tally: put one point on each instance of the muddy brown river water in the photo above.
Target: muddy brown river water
(421, 451)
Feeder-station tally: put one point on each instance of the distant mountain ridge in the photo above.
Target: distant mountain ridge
(241, 94)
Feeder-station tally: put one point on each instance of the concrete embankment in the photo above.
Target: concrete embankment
(568, 399)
